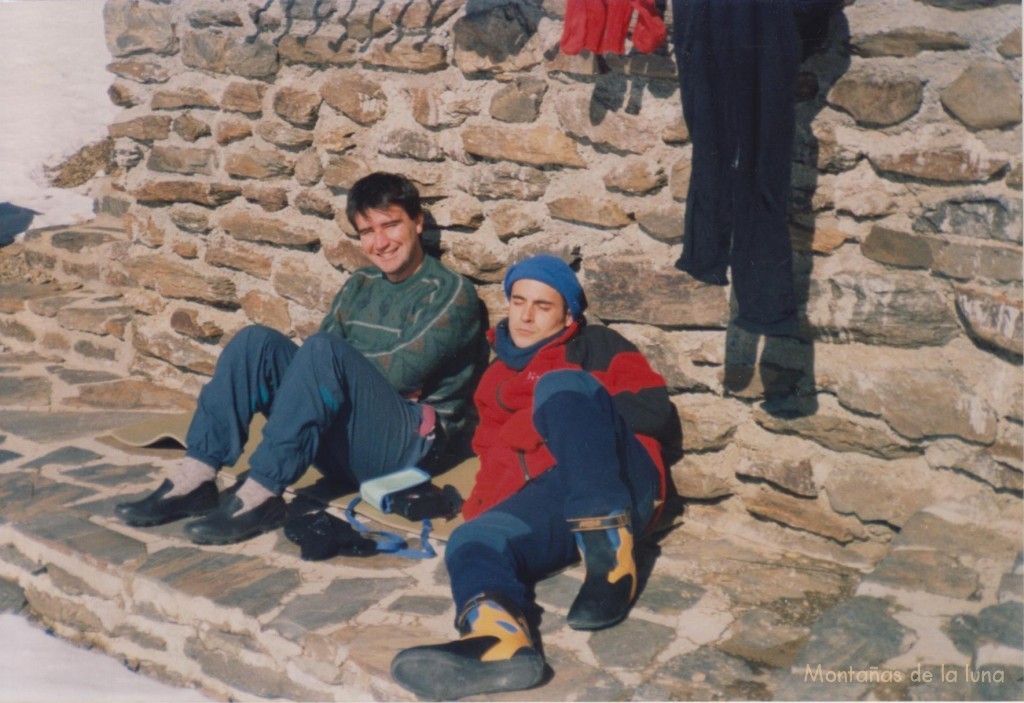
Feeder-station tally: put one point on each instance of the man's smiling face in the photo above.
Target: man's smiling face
(391, 241)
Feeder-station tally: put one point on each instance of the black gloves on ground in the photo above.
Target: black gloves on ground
(321, 536)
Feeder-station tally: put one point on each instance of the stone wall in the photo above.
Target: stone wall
(244, 125)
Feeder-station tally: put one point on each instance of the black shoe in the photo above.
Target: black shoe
(496, 653)
(154, 509)
(229, 524)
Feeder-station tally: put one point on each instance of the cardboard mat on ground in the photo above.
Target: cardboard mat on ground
(169, 430)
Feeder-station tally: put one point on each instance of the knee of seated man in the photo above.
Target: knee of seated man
(253, 337)
(564, 381)
(327, 343)
(492, 530)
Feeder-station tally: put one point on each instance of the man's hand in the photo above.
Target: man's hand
(414, 396)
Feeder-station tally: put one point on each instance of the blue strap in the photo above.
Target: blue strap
(392, 542)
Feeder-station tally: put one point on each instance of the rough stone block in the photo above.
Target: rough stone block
(244, 97)
(501, 181)
(598, 212)
(16, 330)
(181, 160)
(900, 309)
(992, 317)
(905, 42)
(174, 349)
(190, 128)
(318, 50)
(146, 128)
(496, 39)
(948, 163)
(357, 96)
(512, 219)
(341, 172)
(244, 226)
(343, 600)
(220, 52)
(896, 248)
(25, 391)
(704, 674)
(270, 198)
(991, 260)
(114, 475)
(258, 163)
(229, 130)
(761, 636)
(293, 280)
(806, 515)
(206, 194)
(231, 580)
(12, 597)
(297, 106)
(284, 135)
(174, 279)
(132, 28)
(41, 298)
(984, 96)
(621, 289)
(63, 611)
(345, 254)
(90, 319)
(408, 54)
(140, 70)
(261, 681)
(858, 632)
(924, 570)
(978, 217)
(877, 100)
(588, 118)
(77, 535)
(65, 456)
(633, 644)
(518, 101)
(635, 176)
(536, 146)
(60, 426)
(920, 403)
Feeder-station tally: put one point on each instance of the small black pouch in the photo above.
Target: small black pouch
(426, 501)
(322, 535)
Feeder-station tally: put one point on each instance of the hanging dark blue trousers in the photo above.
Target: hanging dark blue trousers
(601, 468)
(325, 404)
(738, 62)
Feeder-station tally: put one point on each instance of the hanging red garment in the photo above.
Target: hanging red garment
(600, 26)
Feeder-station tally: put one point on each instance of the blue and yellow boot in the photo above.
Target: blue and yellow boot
(495, 653)
(606, 545)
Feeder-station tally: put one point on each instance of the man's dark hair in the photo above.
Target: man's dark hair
(379, 191)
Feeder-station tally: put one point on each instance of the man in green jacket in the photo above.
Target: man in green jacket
(380, 387)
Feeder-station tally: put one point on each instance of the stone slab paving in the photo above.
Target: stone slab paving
(939, 616)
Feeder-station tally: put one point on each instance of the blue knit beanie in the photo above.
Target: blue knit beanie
(555, 273)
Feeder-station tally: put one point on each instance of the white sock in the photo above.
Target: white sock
(253, 494)
(188, 475)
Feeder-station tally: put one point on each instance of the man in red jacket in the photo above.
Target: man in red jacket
(572, 421)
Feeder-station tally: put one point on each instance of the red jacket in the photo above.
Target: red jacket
(510, 449)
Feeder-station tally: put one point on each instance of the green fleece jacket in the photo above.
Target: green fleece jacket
(425, 334)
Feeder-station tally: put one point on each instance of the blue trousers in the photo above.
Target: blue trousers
(738, 63)
(601, 468)
(325, 405)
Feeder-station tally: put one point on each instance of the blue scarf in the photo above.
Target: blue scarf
(513, 356)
